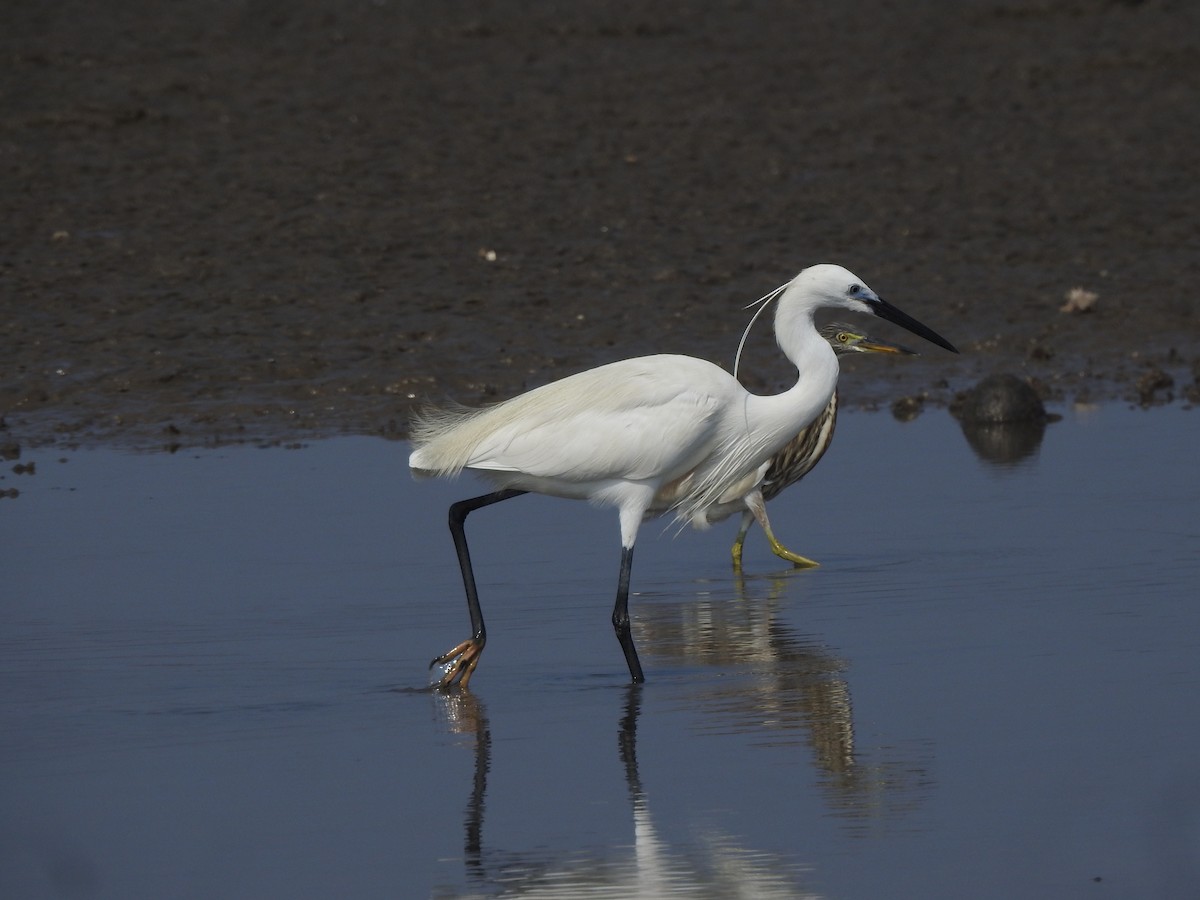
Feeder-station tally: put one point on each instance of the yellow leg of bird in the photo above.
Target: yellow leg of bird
(758, 507)
(740, 540)
(462, 659)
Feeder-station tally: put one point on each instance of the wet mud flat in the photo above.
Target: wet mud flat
(223, 220)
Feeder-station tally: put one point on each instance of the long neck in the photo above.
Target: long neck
(781, 417)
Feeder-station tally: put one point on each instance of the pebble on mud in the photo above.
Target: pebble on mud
(1079, 300)
(997, 399)
(1150, 383)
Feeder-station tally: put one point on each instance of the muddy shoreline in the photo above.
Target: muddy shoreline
(230, 221)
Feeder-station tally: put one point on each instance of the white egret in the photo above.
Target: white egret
(646, 435)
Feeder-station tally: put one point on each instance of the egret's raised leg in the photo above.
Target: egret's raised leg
(758, 507)
(620, 617)
(465, 657)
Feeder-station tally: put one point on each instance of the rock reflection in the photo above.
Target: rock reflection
(717, 867)
(1004, 443)
(780, 687)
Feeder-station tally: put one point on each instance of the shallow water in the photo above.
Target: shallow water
(212, 666)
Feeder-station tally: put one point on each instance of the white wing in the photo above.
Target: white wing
(650, 418)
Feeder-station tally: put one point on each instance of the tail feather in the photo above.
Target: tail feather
(442, 438)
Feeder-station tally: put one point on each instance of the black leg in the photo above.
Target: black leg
(458, 519)
(465, 656)
(620, 617)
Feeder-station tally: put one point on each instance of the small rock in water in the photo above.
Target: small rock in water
(1000, 398)
(907, 408)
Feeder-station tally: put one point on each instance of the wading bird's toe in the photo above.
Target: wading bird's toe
(800, 562)
(803, 562)
(460, 663)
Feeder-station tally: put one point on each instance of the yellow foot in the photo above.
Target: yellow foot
(800, 562)
(757, 509)
(462, 659)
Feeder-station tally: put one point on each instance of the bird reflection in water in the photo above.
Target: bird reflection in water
(776, 684)
(779, 686)
(466, 715)
(716, 867)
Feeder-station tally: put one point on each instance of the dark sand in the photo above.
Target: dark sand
(241, 220)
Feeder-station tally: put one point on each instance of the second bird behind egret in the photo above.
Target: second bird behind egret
(802, 452)
(647, 435)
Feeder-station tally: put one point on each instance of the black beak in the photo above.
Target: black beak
(885, 310)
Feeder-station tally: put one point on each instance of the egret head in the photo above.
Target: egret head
(836, 286)
(828, 285)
